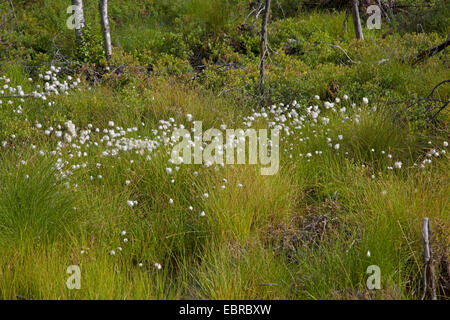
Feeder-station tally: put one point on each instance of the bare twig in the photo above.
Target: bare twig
(281, 8)
(19, 96)
(431, 99)
(251, 12)
(337, 47)
(381, 5)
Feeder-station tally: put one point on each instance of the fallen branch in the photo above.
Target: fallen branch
(431, 100)
(20, 96)
(338, 47)
(382, 7)
(431, 52)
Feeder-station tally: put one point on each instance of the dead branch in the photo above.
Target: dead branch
(281, 8)
(19, 96)
(431, 52)
(337, 47)
(431, 100)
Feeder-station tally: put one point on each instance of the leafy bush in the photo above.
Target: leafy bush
(91, 50)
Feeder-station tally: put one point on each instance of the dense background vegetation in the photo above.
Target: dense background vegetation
(303, 233)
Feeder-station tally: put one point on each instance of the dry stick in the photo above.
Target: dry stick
(337, 47)
(281, 8)
(263, 46)
(348, 57)
(431, 52)
(391, 8)
(430, 98)
(19, 96)
(105, 28)
(381, 6)
(257, 15)
(257, 12)
(428, 271)
(440, 109)
(248, 16)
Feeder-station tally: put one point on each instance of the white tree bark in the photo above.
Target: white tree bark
(79, 20)
(105, 28)
(264, 23)
(357, 20)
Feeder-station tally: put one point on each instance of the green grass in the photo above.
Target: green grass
(303, 233)
(27, 189)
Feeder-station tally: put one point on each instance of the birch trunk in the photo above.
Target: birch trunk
(357, 20)
(105, 28)
(79, 20)
(265, 21)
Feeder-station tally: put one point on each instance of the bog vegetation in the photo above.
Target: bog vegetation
(85, 171)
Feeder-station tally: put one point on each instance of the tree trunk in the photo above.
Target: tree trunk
(356, 20)
(79, 20)
(105, 28)
(264, 23)
(428, 273)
